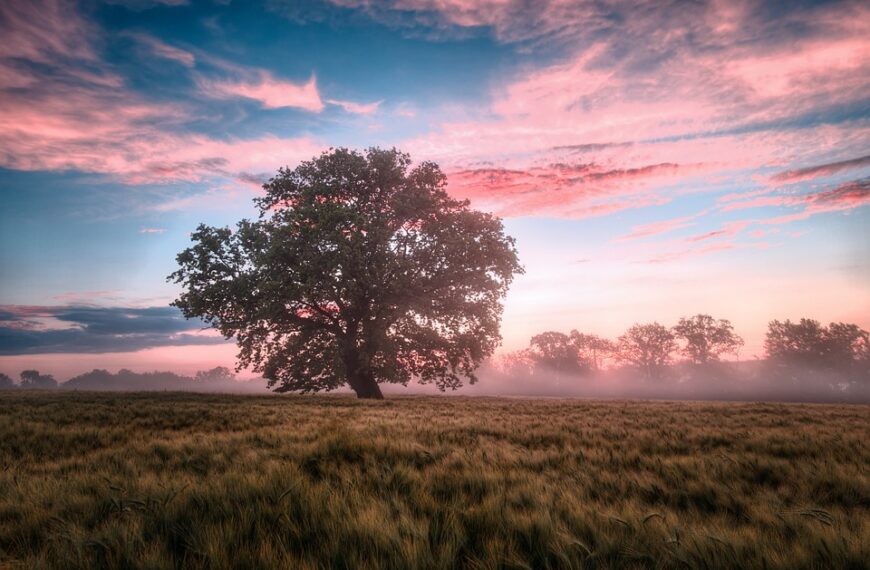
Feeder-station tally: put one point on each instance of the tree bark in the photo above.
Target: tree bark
(366, 387)
(360, 377)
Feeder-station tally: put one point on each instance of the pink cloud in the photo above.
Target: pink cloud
(510, 20)
(164, 50)
(152, 231)
(79, 297)
(728, 229)
(762, 233)
(820, 170)
(561, 189)
(656, 228)
(685, 105)
(845, 196)
(100, 126)
(807, 69)
(272, 93)
(356, 108)
(760, 202)
(43, 30)
(692, 252)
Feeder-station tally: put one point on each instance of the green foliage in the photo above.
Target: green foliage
(360, 270)
(203, 481)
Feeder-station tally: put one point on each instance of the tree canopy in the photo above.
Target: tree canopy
(33, 379)
(647, 347)
(360, 270)
(706, 339)
(6, 382)
(216, 375)
(807, 343)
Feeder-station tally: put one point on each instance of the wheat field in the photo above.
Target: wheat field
(216, 481)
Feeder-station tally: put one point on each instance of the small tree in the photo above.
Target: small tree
(6, 382)
(592, 349)
(360, 270)
(519, 363)
(217, 375)
(555, 351)
(706, 339)
(648, 347)
(34, 380)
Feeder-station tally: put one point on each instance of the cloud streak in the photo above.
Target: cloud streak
(703, 89)
(820, 170)
(270, 92)
(356, 108)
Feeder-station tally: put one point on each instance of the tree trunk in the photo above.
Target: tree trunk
(359, 375)
(366, 387)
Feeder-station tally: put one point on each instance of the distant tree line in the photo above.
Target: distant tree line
(696, 347)
(218, 379)
(30, 379)
(697, 357)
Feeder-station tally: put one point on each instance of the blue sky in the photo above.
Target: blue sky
(653, 160)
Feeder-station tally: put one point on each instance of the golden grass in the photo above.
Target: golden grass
(216, 481)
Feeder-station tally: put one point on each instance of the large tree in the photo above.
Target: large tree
(706, 339)
(360, 270)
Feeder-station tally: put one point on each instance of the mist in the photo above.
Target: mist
(756, 380)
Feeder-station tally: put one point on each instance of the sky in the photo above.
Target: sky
(652, 159)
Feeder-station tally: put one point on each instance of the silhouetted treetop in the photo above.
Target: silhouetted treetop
(592, 349)
(844, 347)
(216, 375)
(648, 347)
(33, 379)
(707, 339)
(553, 350)
(360, 270)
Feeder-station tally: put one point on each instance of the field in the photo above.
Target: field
(213, 481)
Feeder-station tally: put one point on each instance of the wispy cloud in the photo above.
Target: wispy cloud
(163, 50)
(845, 196)
(657, 228)
(820, 170)
(356, 108)
(710, 92)
(270, 92)
(564, 189)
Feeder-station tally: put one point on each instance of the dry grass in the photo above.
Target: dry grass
(201, 481)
